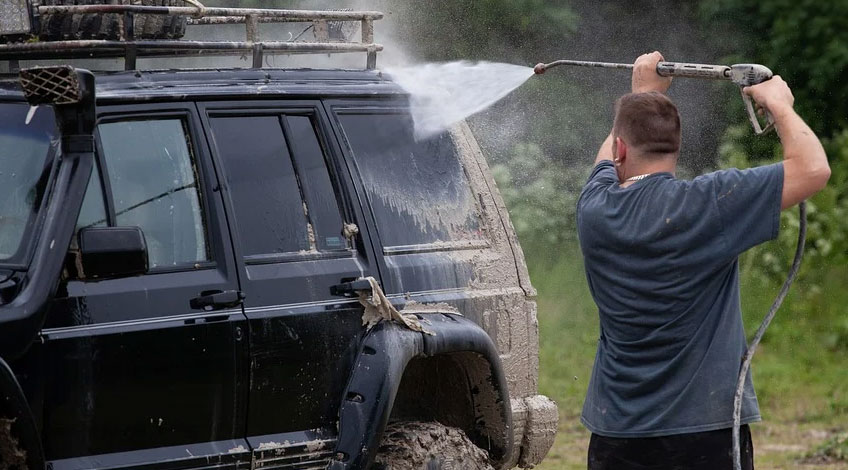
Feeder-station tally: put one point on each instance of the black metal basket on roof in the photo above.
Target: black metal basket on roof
(129, 29)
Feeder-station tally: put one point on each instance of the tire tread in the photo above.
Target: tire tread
(417, 445)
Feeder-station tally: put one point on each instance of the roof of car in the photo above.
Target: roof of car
(170, 85)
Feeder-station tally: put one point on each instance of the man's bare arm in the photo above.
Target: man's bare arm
(605, 152)
(805, 166)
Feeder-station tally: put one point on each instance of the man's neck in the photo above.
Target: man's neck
(664, 165)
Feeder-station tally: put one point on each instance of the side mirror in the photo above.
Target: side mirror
(109, 252)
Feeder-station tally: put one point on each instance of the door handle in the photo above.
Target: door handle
(216, 299)
(350, 287)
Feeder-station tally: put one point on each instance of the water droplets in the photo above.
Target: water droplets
(442, 94)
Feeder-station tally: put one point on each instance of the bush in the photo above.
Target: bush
(541, 196)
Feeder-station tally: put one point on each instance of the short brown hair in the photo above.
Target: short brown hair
(649, 122)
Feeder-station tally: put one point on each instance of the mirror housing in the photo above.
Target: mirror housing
(111, 252)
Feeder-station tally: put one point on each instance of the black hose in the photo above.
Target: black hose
(749, 354)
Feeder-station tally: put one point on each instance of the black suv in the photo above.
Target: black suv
(249, 268)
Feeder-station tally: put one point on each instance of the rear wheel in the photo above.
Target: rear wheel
(64, 26)
(413, 445)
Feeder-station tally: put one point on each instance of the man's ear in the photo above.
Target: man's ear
(619, 151)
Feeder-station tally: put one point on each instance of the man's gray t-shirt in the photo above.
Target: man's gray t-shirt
(661, 261)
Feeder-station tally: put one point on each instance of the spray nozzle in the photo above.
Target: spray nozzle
(540, 68)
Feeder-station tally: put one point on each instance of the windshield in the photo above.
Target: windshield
(26, 136)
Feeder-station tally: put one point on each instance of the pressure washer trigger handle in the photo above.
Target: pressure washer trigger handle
(749, 75)
(752, 116)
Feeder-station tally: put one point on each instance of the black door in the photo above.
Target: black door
(134, 374)
(295, 235)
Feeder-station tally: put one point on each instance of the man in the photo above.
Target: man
(661, 261)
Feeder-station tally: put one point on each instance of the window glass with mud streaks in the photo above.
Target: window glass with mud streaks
(276, 173)
(417, 189)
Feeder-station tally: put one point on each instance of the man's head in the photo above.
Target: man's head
(646, 130)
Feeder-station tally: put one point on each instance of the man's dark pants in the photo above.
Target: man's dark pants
(711, 450)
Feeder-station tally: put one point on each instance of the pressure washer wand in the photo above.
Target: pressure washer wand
(741, 74)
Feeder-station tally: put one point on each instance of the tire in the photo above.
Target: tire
(413, 445)
(62, 26)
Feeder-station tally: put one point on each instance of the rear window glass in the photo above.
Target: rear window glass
(270, 212)
(418, 190)
(321, 199)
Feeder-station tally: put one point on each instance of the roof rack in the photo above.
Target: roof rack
(332, 30)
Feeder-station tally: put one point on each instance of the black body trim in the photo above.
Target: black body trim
(383, 356)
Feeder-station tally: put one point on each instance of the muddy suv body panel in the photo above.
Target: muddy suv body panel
(173, 366)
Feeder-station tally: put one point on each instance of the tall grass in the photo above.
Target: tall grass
(568, 327)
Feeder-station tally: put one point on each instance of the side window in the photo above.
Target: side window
(277, 176)
(318, 189)
(418, 190)
(154, 186)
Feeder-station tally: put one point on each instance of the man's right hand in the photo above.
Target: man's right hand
(805, 166)
(645, 77)
(772, 95)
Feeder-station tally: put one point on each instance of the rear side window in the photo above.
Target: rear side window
(279, 183)
(418, 190)
(267, 202)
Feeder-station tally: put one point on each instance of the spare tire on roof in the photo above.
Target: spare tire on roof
(66, 26)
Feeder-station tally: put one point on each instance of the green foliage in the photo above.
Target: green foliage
(835, 449)
(541, 195)
(804, 41)
(486, 29)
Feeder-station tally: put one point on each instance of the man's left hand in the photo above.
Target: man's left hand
(645, 76)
